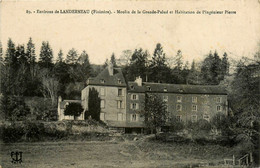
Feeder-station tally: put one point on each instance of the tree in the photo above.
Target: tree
(60, 56)
(73, 109)
(30, 52)
(72, 56)
(216, 68)
(93, 105)
(105, 64)
(113, 60)
(125, 58)
(1, 53)
(224, 66)
(11, 65)
(22, 74)
(155, 111)
(211, 69)
(10, 57)
(13, 108)
(178, 60)
(46, 55)
(159, 70)
(244, 101)
(83, 70)
(50, 88)
(194, 75)
(138, 63)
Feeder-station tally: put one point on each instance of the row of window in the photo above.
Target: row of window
(119, 92)
(120, 104)
(135, 106)
(118, 81)
(165, 98)
(195, 107)
(194, 118)
(133, 117)
(179, 98)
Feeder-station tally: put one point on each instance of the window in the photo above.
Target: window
(206, 117)
(120, 104)
(165, 89)
(194, 99)
(134, 97)
(218, 108)
(120, 116)
(165, 98)
(178, 107)
(133, 117)
(102, 116)
(178, 118)
(120, 92)
(194, 107)
(102, 91)
(132, 87)
(194, 118)
(218, 99)
(119, 81)
(179, 99)
(102, 81)
(102, 103)
(134, 106)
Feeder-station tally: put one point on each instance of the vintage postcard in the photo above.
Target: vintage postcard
(135, 83)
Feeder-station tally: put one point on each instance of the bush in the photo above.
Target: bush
(42, 108)
(11, 133)
(175, 125)
(13, 108)
(41, 131)
(200, 125)
(73, 109)
(33, 131)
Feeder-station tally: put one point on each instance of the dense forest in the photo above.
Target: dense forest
(25, 75)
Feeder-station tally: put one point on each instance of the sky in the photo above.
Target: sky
(102, 34)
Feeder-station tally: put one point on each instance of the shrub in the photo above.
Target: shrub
(33, 131)
(200, 125)
(42, 108)
(176, 125)
(13, 108)
(12, 133)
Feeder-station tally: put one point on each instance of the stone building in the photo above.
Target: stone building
(121, 100)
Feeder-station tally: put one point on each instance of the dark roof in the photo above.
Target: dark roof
(125, 124)
(109, 80)
(175, 88)
(64, 102)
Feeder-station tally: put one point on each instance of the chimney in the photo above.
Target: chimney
(110, 69)
(138, 80)
(59, 99)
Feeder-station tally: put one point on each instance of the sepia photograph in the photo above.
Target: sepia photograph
(134, 84)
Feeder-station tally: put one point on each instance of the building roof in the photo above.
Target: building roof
(175, 88)
(104, 79)
(64, 102)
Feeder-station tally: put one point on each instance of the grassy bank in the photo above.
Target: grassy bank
(32, 131)
(139, 153)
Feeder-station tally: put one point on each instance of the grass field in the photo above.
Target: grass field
(114, 153)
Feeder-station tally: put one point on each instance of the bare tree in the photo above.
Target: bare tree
(50, 88)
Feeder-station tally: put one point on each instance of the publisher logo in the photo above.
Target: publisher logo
(16, 157)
